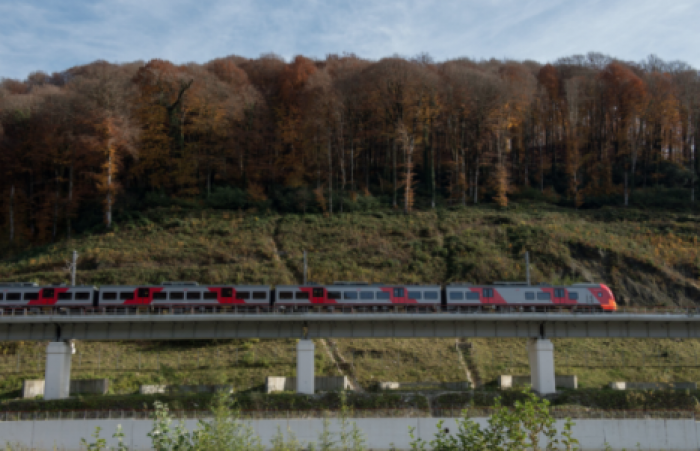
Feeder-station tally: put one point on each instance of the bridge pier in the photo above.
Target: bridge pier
(540, 352)
(305, 366)
(57, 375)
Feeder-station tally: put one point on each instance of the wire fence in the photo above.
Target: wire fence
(440, 412)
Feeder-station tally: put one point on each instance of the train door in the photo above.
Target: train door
(559, 296)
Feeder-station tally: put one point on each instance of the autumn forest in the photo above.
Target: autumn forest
(80, 146)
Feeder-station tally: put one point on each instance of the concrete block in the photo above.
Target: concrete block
(389, 385)
(151, 389)
(32, 388)
(618, 385)
(89, 386)
(274, 383)
(505, 381)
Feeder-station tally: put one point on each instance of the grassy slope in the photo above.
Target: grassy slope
(648, 258)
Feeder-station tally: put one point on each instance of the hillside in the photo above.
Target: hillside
(648, 258)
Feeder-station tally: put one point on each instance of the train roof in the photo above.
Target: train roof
(37, 286)
(362, 285)
(214, 285)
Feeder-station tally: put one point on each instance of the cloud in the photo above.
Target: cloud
(53, 36)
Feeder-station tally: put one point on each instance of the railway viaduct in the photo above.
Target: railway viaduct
(61, 329)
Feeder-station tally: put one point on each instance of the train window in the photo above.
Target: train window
(177, 295)
(285, 295)
(210, 295)
(260, 295)
(529, 296)
(301, 295)
(143, 292)
(126, 295)
(430, 295)
(109, 296)
(415, 295)
(161, 296)
(573, 296)
(456, 296)
(559, 293)
(488, 292)
(334, 295)
(398, 292)
(318, 292)
(194, 295)
(473, 296)
(14, 296)
(48, 293)
(383, 296)
(31, 296)
(243, 295)
(541, 296)
(350, 295)
(367, 295)
(81, 296)
(2, 296)
(227, 292)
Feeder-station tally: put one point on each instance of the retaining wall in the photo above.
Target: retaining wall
(508, 381)
(33, 388)
(321, 383)
(654, 386)
(381, 433)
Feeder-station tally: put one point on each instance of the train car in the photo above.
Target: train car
(358, 295)
(33, 296)
(185, 295)
(514, 295)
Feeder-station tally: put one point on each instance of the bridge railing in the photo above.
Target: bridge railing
(440, 412)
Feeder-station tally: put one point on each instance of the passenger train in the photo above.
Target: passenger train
(338, 297)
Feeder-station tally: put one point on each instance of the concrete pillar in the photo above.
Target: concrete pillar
(57, 377)
(540, 353)
(305, 367)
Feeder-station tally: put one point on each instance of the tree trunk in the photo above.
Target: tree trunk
(627, 196)
(476, 180)
(12, 214)
(393, 156)
(108, 200)
(54, 228)
(70, 199)
(330, 177)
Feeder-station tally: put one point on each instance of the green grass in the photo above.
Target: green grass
(648, 258)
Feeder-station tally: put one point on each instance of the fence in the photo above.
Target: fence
(439, 412)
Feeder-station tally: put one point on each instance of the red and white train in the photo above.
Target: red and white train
(340, 296)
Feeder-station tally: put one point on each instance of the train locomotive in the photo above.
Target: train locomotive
(338, 297)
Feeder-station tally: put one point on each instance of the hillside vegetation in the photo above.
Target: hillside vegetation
(648, 258)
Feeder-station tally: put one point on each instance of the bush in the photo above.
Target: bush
(227, 197)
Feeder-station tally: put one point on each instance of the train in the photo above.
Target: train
(337, 297)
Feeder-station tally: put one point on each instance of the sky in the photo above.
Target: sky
(54, 35)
